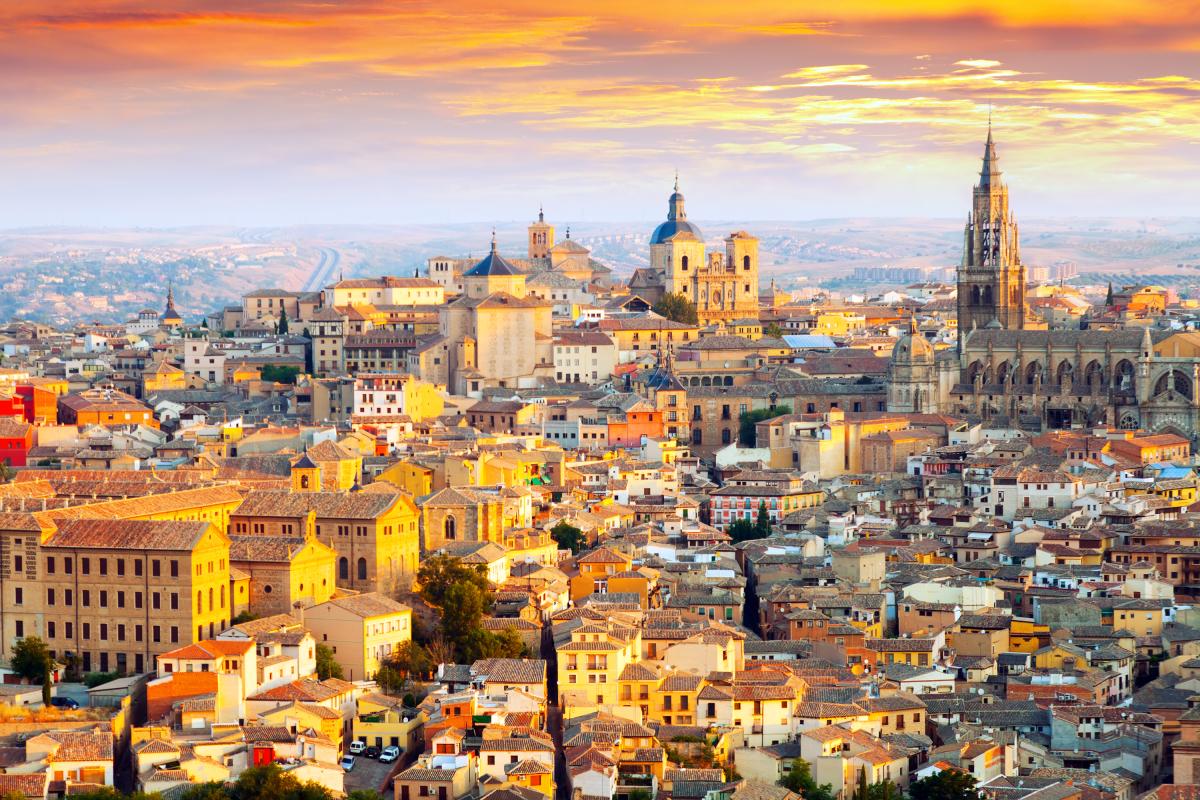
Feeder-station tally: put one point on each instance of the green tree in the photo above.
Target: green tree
(438, 573)
(744, 530)
(1108, 298)
(763, 523)
(6, 471)
(243, 617)
(747, 433)
(884, 790)
(31, 660)
(281, 327)
(800, 780)
(773, 330)
(678, 308)
(949, 784)
(109, 793)
(327, 665)
(364, 794)
(567, 536)
(308, 353)
(412, 660)
(463, 609)
(860, 792)
(279, 373)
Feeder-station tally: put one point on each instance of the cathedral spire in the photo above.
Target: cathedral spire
(493, 239)
(675, 203)
(541, 214)
(990, 174)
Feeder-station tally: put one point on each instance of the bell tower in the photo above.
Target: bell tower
(991, 277)
(541, 237)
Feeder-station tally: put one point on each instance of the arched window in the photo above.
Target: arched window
(211, 598)
(344, 569)
(450, 528)
(697, 437)
(222, 597)
(362, 569)
(987, 295)
(199, 602)
(746, 262)
(303, 481)
(975, 296)
(683, 263)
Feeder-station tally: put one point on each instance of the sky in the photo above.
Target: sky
(275, 112)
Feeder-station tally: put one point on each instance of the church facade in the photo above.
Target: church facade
(723, 285)
(1008, 373)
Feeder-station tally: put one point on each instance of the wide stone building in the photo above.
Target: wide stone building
(1008, 373)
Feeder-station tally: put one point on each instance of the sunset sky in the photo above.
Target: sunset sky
(274, 112)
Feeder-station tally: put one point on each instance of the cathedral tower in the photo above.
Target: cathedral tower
(991, 277)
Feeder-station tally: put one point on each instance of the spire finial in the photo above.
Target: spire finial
(541, 215)
(568, 231)
(677, 180)
(493, 238)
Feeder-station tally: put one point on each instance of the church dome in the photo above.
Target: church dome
(912, 348)
(492, 264)
(677, 221)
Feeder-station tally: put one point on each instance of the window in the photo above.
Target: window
(49, 597)
(174, 568)
(120, 566)
(362, 569)
(18, 564)
(20, 629)
(174, 601)
(104, 566)
(85, 566)
(155, 568)
(50, 565)
(137, 568)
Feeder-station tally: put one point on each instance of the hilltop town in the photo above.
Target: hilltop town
(521, 527)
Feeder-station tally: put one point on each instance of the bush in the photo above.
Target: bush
(94, 679)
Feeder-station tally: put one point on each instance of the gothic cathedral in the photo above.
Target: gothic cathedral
(991, 277)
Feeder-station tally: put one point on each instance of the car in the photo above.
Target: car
(371, 752)
(389, 754)
(348, 763)
(357, 746)
(63, 702)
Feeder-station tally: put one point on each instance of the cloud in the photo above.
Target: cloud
(977, 63)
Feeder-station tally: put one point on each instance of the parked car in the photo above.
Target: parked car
(371, 752)
(63, 702)
(348, 763)
(357, 746)
(389, 754)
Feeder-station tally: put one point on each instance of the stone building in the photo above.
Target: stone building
(722, 285)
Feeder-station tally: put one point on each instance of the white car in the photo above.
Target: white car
(348, 763)
(357, 746)
(389, 754)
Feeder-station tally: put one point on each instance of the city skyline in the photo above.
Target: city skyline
(257, 113)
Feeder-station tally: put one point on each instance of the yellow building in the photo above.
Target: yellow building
(306, 716)
(374, 532)
(363, 631)
(281, 572)
(117, 593)
(590, 665)
(383, 721)
(1024, 636)
(163, 377)
(840, 323)
(415, 478)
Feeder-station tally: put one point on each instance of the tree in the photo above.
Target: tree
(205, 791)
(800, 780)
(773, 330)
(279, 373)
(412, 659)
(568, 536)
(1108, 298)
(743, 530)
(281, 327)
(747, 433)
(884, 790)
(31, 660)
(243, 617)
(327, 665)
(464, 605)
(6, 471)
(678, 308)
(860, 792)
(364, 794)
(763, 523)
(308, 353)
(949, 784)
(437, 574)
